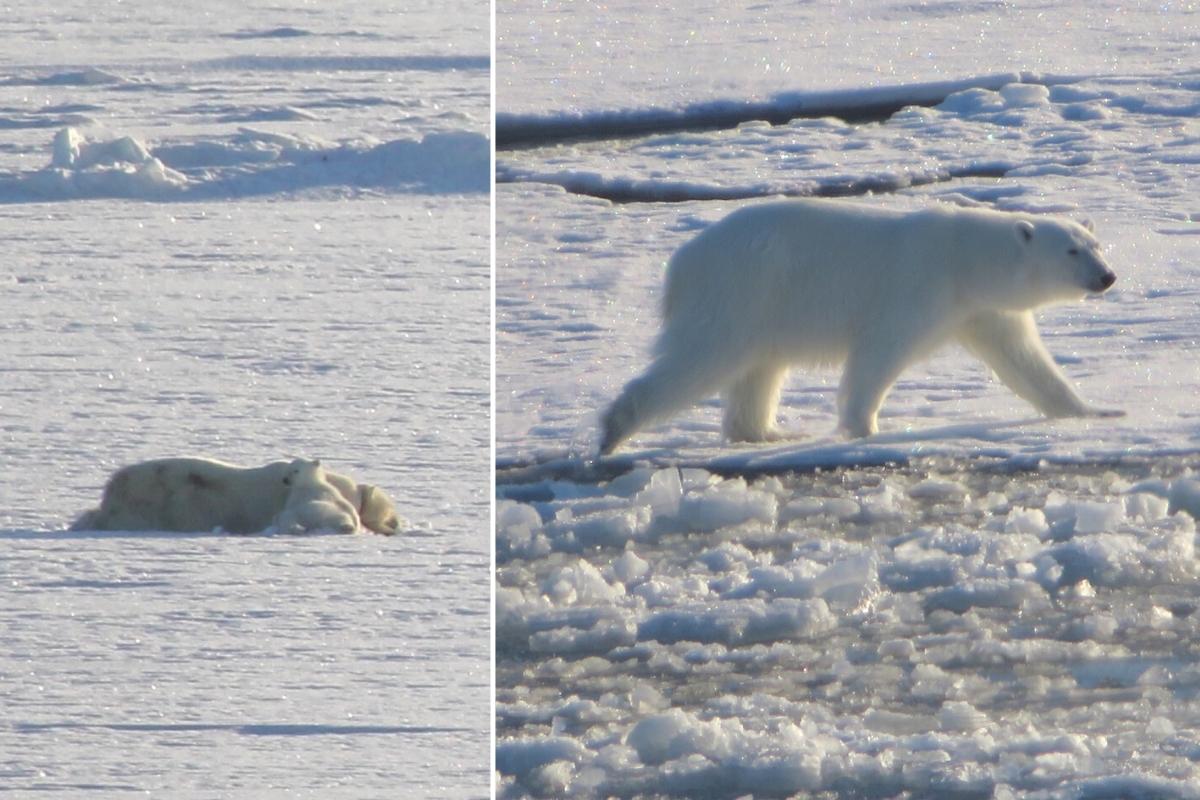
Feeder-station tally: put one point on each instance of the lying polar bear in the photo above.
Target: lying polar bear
(199, 494)
(313, 503)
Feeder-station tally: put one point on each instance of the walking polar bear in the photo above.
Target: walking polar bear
(822, 282)
(200, 494)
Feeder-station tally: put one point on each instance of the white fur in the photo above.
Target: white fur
(200, 494)
(375, 509)
(821, 282)
(313, 503)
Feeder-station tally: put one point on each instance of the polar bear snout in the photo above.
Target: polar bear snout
(1101, 281)
(1097, 277)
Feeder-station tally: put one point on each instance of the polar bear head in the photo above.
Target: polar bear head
(302, 472)
(1057, 260)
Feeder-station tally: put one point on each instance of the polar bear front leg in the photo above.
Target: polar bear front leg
(286, 522)
(1008, 342)
(751, 404)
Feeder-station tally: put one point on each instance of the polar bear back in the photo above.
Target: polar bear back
(190, 494)
(814, 273)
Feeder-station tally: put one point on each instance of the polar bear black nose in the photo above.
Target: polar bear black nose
(1108, 279)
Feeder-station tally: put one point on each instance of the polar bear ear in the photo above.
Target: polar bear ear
(1087, 225)
(1025, 230)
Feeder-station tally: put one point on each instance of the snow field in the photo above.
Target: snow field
(214, 666)
(562, 60)
(1019, 127)
(246, 232)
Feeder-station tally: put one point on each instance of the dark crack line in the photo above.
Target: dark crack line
(521, 135)
(877, 104)
(624, 192)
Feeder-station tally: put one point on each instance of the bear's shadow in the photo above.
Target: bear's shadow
(876, 450)
(25, 535)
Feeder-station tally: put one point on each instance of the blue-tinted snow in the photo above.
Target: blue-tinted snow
(316, 285)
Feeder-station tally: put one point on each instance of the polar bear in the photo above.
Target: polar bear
(189, 494)
(201, 494)
(375, 509)
(313, 503)
(824, 282)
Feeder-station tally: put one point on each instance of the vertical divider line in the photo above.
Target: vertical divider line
(491, 531)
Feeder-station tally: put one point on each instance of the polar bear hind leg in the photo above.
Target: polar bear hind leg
(673, 382)
(752, 404)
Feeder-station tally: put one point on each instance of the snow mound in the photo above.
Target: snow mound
(121, 167)
(88, 76)
(250, 163)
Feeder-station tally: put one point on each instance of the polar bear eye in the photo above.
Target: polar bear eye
(1074, 251)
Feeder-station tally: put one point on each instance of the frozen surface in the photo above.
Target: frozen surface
(216, 666)
(932, 630)
(262, 236)
(975, 602)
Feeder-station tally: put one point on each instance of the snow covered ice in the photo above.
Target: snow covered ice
(925, 629)
(244, 232)
(975, 602)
